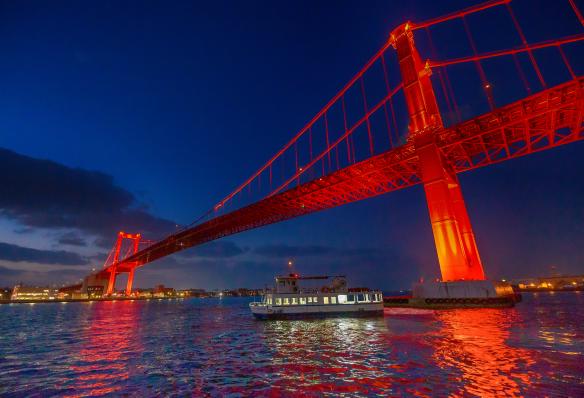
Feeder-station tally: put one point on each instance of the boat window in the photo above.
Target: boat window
(270, 301)
(310, 300)
(286, 301)
(315, 300)
(367, 297)
(333, 300)
(342, 299)
(303, 300)
(360, 297)
(325, 300)
(294, 300)
(278, 301)
(351, 298)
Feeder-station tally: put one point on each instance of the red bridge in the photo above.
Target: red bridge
(390, 128)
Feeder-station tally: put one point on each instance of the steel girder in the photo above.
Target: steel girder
(542, 121)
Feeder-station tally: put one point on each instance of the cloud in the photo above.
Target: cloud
(9, 272)
(293, 251)
(216, 249)
(285, 251)
(42, 193)
(23, 231)
(72, 239)
(15, 253)
(10, 277)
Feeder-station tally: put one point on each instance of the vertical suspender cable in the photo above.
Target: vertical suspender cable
(572, 74)
(328, 149)
(310, 142)
(577, 11)
(485, 83)
(524, 41)
(345, 125)
(364, 95)
(296, 161)
(441, 72)
(385, 78)
(395, 130)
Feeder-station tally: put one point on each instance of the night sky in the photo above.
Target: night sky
(139, 116)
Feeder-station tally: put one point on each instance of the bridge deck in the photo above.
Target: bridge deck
(542, 121)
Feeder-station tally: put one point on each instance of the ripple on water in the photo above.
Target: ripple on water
(209, 347)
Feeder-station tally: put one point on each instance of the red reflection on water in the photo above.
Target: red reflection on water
(108, 340)
(312, 358)
(474, 343)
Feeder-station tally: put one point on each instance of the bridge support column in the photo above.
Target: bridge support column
(113, 270)
(130, 282)
(112, 281)
(453, 235)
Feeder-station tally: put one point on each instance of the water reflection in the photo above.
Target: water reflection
(110, 341)
(320, 356)
(216, 348)
(473, 344)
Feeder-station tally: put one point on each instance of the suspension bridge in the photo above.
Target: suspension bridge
(407, 117)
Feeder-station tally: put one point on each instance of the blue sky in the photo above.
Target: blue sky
(142, 115)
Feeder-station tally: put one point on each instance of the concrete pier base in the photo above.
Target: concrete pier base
(457, 294)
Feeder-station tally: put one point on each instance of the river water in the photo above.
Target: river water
(212, 347)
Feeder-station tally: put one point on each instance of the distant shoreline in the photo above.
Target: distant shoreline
(94, 299)
(534, 290)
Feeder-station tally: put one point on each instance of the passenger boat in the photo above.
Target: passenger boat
(288, 299)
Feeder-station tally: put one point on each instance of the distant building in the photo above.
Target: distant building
(243, 292)
(33, 293)
(143, 293)
(5, 293)
(196, 293)
(67, 292)
(575, 282)
(162, 291)
(95, 292)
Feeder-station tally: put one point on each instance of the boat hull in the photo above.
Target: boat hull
(448, 303)
(318, 311)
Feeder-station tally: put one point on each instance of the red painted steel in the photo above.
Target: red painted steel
(542, 121)
(455, 243)
(114, 269)
(433, 154)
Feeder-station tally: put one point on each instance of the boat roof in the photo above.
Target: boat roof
(297, 277)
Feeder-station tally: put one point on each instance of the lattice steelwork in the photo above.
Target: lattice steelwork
(331, 172)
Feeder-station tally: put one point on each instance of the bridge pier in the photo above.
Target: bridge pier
(114, 267)
(130, 281)
(453, 235)
(111, 284)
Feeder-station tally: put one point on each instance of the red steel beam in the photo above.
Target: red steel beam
(500, 53)
(539, 122)
(458, 14)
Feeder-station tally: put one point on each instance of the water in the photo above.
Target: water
(210, 347)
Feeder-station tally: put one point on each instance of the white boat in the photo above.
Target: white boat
(291, 300)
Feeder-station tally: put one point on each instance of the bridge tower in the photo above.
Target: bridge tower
(135, 238)
(453, 235)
